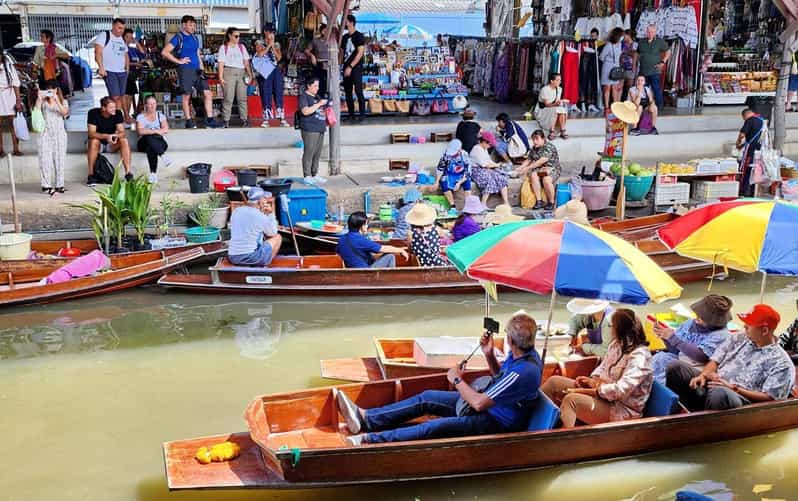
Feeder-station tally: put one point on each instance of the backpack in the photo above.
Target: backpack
(240, 48)
(103, 170)
(107, 38)
(179, 47)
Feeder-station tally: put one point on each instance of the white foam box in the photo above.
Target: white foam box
(447, 352)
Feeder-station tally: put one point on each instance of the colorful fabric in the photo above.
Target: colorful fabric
(575, 260)
(766, 235)
(691, 332)
(426, 246)
(767, 369)
(630, 377)
(80, 267)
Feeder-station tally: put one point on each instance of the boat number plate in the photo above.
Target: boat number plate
(259, 279)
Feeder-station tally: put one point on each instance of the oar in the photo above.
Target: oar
(284, 206)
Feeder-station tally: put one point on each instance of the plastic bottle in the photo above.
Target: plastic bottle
(341, 213)
(366, 201)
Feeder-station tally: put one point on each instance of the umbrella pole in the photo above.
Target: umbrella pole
(487, 303)
(762, 288)
(620, 202)
(548, 325)
(13, 193)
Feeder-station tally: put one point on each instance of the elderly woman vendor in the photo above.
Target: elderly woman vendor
(694, 341)
(454, 171)
(592, 316)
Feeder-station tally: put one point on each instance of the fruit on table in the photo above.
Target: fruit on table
(635, 168)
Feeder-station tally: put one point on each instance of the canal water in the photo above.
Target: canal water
(90, 389)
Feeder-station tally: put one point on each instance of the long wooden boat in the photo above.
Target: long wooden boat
(86, 245)
(21, 285)
(395, 358)
(297, 440)
(323, 275)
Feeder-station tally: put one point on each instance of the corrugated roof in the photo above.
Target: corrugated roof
(405, 6)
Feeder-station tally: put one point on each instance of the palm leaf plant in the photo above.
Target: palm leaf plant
(138, 194)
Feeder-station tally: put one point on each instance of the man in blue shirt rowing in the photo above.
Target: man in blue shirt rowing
(503, 407)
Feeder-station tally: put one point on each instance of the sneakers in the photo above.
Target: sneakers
(245, 124)
(267, 114)
(634, 132)
(583, 108)
(283, 123)
(309, 180)
(549, 207)
(212, 123)
(356, 440)
(318, 179)
(592, 109)
(226, 124)
(350, 412)
(152, 178)
(190, 124)
(280, 114)
(91, 181)
(129, 177)
(167, 161)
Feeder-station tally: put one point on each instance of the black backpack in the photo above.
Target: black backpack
(103, 170)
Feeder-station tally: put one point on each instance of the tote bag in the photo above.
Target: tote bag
(329, 114)
(37, 120)
(516, 147)
(21, 127)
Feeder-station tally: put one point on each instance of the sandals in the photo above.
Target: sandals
(17, 153)
(552, 136)
(53, 191)
(563, 134)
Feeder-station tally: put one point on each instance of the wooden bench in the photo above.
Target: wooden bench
(400, 137)
(441, 137)
(398, 164)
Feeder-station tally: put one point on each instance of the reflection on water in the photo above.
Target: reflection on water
(96, 386)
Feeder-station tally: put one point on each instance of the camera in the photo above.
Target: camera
(48, 93)
(491, 325)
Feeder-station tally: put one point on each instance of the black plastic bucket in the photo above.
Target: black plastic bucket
(276, 186)
(247, 177)
(199, 177)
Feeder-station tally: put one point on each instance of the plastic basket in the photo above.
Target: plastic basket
(675, 193)
(637, 187)
(14, 246)
(199, 235)
(704, 191)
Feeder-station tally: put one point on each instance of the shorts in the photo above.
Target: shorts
(792, 85)
(189, 79)
(261, 256)
(116, 83)
(466, 186)
(132, 88)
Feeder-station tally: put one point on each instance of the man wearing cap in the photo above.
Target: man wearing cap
(357, 251)
(696, 340)
(593, 316)
(248, 226)
(402, 228)
(746, 368)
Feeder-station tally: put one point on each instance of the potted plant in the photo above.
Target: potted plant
(220, 211)
(138, 193)
(204, 232)
(109, 213)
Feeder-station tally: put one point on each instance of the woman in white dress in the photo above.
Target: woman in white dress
(551, 112)
(10, 104)
(53, 139)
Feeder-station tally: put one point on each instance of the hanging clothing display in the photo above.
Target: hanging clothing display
(671, 22)
(588, 74)
(570, 73)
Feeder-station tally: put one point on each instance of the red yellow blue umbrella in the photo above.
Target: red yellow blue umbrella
(747, 235)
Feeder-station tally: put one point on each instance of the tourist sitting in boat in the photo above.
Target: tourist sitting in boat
(695, 340)
(425, 241)
(503, 406)
(401, 228)
(357, 251)
(618, 388)
(249, 225)
(745, 369)
(592, 316)
(465, 225)
(454, 171)
(789, 339)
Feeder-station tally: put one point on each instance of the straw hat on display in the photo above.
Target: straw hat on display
(579, 306)
(504, 214)
(574, 211)
(626, 111)
(421, 215)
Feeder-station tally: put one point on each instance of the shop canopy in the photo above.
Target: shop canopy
(421, 6)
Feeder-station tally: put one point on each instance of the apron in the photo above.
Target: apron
(594, 334)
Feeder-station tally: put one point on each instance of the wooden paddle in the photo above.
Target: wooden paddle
(620, 202)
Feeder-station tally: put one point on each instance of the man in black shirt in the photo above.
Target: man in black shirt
(468, 130)
(749, 140)
(354, 46)
(107, 134)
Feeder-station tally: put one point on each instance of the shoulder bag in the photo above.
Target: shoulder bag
(616, 72)
(403, 106)
(421, 107)
(440, 104)
(375, 106)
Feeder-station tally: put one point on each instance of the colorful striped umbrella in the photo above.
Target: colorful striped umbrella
(407, 32)
(564, 258)
(747, 235)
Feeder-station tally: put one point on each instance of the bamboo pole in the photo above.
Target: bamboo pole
(762, 287)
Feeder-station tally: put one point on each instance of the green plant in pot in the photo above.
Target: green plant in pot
(109, 211)
(165, 215)
(202, 214)
(137, 198)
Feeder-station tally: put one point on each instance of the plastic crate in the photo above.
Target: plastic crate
(705, 191)
(674, 193)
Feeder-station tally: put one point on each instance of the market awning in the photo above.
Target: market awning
(223, 17)
(413, 6)
(210, 3)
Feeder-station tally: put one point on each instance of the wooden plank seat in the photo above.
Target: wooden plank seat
(328, 261)
(400, 137)
(441, 137)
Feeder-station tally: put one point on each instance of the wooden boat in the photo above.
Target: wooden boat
(19, 281)
(297, 440)
(323, 275)
(86, 245)
(396, 359)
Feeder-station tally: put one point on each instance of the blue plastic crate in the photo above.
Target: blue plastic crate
(305, 204)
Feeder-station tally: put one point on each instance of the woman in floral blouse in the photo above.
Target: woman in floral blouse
(619, 387)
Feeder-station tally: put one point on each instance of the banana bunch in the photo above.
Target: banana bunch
(667, 168)
(218, 453)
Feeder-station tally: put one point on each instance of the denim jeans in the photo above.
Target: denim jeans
(384, 261)
(271, 87)
(656, 87)
(429, 402)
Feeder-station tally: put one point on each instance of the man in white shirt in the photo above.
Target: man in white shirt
(248, 226)
(110, 52)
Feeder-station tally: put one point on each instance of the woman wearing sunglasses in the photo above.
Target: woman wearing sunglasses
(235, 73)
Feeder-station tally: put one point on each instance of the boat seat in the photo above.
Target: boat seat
(544, 414)
(661, 402)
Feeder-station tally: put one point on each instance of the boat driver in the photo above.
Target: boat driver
(249, 225)
(503, 407)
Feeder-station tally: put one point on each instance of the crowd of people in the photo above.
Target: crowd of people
(705, 365)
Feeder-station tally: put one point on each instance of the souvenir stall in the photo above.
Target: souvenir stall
(417, 80)
(740, 37)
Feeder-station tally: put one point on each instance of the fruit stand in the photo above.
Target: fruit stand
(711, 180)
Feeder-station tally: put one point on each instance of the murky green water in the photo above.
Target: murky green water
(90, 389)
